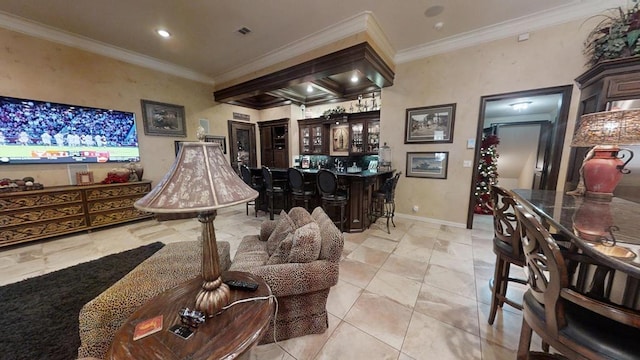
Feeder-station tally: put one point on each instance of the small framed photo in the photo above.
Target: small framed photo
(430, 124)
(217, 139)
(430, 164)
(84, 178)
(161, 119)
(339, 140)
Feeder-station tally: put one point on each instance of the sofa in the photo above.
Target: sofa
(174, 264)
(298, 256)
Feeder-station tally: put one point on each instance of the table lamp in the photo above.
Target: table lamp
(605, 131)
(201, 181)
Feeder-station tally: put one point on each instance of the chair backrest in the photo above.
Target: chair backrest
(327, 182)
(549, 281)
(246, 174)
(547, 273)
(267, 178)
(505, 224)
(296, 180)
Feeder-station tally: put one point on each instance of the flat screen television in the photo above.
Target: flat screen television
(41, 132)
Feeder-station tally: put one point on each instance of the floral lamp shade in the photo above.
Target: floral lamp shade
(201, 179)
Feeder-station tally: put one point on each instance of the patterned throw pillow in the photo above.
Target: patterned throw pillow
(306, 244)
(300, 216)
(283, 228)
(281, 254)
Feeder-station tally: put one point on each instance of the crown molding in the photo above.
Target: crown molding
(379, 37)
(563, 14)
(350, 26)
(38, 30)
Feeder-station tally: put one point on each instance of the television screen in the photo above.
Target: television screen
(40, 132)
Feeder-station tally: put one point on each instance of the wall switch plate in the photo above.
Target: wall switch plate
(471, 143)
(467, 163)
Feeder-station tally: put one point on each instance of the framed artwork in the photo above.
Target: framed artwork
(430, 124)
(339, 140)
(84, 178)
(429, 164)
(217, 139)
(161, 119)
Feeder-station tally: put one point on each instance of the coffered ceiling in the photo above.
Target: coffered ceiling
(206, 46)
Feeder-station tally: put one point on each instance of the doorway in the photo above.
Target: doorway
(538, 117)
(242, 144)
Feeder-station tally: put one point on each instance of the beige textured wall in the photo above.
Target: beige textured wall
(551, 57)
(37, 69)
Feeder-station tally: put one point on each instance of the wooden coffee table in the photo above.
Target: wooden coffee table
(232, 333)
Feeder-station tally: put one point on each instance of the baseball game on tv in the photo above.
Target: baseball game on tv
(40, 132)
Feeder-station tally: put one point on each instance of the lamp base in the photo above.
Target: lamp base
(602, 172)
(212, 297)
(599, 196)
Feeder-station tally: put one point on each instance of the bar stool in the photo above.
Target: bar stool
(300, 190)
(248, 179)
(383, 202)
(331, 195)
(272, 190)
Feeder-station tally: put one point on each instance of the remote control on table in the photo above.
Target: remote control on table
(241, 285)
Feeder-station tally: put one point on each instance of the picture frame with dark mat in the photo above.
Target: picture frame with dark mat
(161, 119)
(217, 139)
(430, 164)
(430, 124)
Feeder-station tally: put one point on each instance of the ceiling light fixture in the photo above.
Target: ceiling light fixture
(438, 25)
(309, 88)
(434, 10)
(164, 33)
(521, 105)
(354, 78)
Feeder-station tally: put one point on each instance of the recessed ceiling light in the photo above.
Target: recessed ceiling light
(309, 88)
(354, 78)
(164, 33)
(438, 25)
(434, 11)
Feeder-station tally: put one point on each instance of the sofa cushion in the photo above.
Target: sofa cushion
(300, 217)
(281, 255)
(282, 229)
(306, 244)
(332, 237)
(266, 229)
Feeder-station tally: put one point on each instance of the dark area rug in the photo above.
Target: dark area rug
(39, 316)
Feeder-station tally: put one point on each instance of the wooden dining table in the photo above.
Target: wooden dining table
(607, 231)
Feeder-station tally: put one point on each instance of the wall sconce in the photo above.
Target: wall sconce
(602, 168)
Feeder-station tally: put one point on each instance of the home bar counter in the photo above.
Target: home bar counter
(360, 186)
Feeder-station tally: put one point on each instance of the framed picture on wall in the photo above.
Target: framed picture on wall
(430, 124)
(339, 140)
(217, 139)
(429, 164)
(160, 119)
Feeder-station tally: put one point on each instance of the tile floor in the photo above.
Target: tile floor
(420, 292)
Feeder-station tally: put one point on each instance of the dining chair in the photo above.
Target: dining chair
(574, 324)
(506, 246)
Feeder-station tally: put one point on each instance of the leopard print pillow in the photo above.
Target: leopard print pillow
(281, 255)
(283, 228)
(306, 244)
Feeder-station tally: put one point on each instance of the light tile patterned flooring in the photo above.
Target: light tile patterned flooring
(420, 292)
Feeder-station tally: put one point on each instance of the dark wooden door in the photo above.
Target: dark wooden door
(242, 144)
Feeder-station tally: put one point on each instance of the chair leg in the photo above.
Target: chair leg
(393, 211)
(525, 341)
(271, 206)
(341, 218)
(496, 288)
(247, 204)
